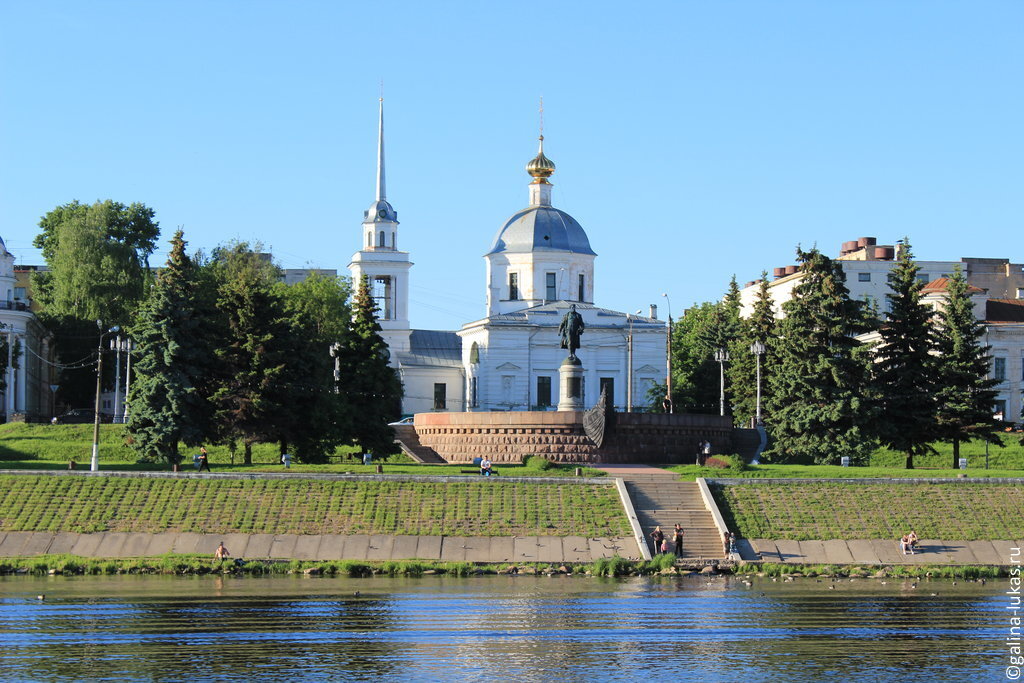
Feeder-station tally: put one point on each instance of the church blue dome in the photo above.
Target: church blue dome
(541, 228)
(380, 211)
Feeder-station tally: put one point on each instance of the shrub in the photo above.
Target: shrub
(536, 462)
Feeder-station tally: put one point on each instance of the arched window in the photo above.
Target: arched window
(369, 239)
(381, 242)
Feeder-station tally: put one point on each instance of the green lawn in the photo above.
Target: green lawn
(833, 510)
(690, 472)
(275, 506)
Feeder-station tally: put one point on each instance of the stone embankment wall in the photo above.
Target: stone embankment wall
(559, 436)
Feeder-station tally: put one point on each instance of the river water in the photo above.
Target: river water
(521, 628)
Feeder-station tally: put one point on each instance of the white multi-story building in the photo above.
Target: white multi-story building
(540, 264)
(997, 289)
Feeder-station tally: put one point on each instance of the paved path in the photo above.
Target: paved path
(321, 547)
(878, 551)
(661, 499)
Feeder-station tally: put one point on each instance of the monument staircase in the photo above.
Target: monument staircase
(409, 442)
(660, 499)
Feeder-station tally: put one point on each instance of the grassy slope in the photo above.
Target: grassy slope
(484, 508)
(827, 510)
(690, 472)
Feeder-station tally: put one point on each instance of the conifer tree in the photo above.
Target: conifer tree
(252, 396)
(816, 395)
(904, 371)
(964, 393)
(371, 385)
(169, 399)
(758, 327)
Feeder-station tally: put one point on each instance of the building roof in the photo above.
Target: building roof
(433, 348)
(541, 228)
(550, 314)
(941, 284)
(1004, 311)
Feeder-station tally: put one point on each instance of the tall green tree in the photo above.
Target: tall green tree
(964, 393)
(817, 393)
(758, 327)
(98, 260)
(317, 416)
(368, 381)
(174, 361)
(904, 368)
(98, 269)
(253, 355)
(695, 335)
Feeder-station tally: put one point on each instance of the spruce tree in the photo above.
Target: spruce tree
(758, 327)
(964, 393)
(816, 394)
(173, 362)
(251, 398)
(904, 368)
(370, 384)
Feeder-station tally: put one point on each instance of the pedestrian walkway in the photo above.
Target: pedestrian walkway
(882, 552)
(661, 499)
(484, 549)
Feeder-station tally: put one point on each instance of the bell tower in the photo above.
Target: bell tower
(379, 259)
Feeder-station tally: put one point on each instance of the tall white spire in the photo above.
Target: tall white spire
(381, 195)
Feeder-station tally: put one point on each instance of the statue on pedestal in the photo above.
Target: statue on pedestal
(570, 330)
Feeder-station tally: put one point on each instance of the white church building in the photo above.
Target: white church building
(539, 265)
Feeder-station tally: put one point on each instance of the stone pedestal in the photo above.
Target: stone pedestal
(570, 393)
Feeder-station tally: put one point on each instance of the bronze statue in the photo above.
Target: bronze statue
(570, 329)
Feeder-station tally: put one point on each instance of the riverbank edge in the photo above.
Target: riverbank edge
(662, 565)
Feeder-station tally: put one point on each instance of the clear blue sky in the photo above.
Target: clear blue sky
(693, 140)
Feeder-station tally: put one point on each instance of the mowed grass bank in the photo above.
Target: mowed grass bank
(832, 510)
(485, 507)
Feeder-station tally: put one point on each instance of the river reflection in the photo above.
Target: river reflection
(524, 628)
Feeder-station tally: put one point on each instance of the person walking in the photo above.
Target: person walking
(677, 538)
(204, 459)
(286, 460)
(706, 452)
(658, 536)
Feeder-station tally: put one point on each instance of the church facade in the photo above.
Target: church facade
(539, 264)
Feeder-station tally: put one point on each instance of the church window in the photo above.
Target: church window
(513, 286)
(582, 282)
(474, 353)
(440, 396)
(543, 392)
(549, 281)
(608, 384)
(382, 286)
(381, 244)
(369, 238)
(474, 400)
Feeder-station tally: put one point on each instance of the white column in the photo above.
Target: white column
(22, 376)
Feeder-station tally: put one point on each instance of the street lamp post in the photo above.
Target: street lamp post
(95, 463)
(669, 408)
(758, 349)
(629, 378)
(722, 356)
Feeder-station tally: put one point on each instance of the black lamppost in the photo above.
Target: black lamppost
(722, 356)
(95, 464)
(669, 408)
(758, 349)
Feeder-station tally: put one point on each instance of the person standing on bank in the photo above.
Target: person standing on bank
(658, 536)
(677, 537)
(204, 459)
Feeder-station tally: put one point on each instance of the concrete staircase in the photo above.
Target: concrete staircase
(662, 500)
(409, 442)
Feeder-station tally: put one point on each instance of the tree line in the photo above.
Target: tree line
(224, 351)
(825, 393)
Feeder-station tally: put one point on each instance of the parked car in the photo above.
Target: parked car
(404, 421)
(82, 416)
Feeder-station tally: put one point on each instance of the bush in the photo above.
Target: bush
(536, 462)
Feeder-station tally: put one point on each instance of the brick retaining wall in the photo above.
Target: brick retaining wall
(559, 436)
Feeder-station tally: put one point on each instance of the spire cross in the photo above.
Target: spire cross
(541, 117)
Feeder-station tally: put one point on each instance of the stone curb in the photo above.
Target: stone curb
(867, 480)
(325, 476)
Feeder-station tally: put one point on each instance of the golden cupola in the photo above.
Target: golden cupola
(540, 167)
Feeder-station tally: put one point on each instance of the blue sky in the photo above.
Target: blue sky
(693, 140)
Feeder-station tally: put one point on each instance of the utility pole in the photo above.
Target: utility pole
(94, 464)
(669, 408)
